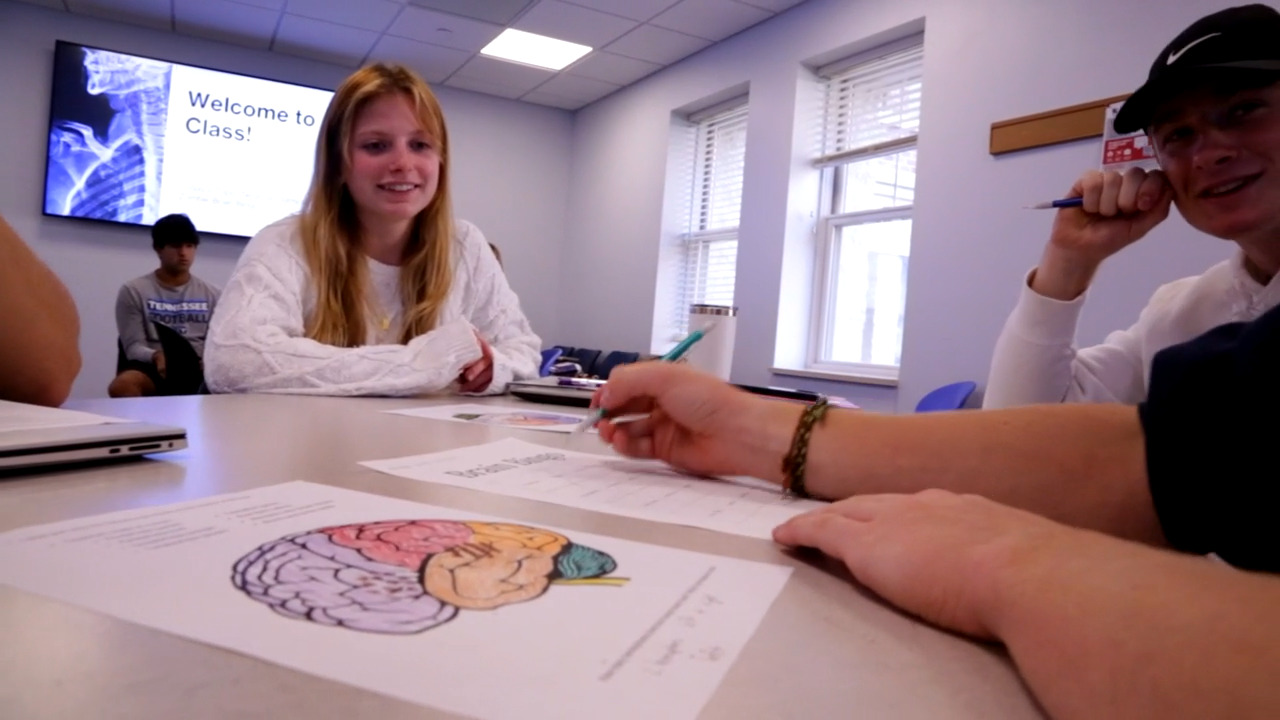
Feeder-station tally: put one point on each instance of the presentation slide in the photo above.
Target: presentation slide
(132, 139)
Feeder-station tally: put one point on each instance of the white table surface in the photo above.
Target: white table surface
(826, 649)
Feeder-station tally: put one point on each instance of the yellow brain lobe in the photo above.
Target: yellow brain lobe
(500, 565)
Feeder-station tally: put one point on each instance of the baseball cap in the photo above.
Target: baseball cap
(1236, 40)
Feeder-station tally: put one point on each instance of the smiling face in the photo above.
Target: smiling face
(393, 165)
(1221, 153)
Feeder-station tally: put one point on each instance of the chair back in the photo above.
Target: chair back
(549, 357)
(947, 397)
(615, 358)
(587, 359)
(183, 372)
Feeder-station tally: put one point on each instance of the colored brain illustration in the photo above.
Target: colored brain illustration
(408, 576)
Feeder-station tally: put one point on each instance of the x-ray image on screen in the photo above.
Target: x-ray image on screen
(134, 138)
(106, 145)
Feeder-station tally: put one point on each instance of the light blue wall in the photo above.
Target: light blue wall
(985, 61)
(511, 174)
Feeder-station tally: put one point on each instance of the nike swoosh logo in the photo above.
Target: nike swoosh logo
(1173, 56)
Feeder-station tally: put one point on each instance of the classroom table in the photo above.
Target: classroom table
(825, 649)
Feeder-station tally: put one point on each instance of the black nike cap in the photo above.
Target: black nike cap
(1238, 40)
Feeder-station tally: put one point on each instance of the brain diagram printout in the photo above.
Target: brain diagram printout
(426, 604)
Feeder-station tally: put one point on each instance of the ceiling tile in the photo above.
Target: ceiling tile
(497, 12)
(776, 6)
(711, 19)
(443, 29)
(268, 4)
(505, 90)
(226, 21)
(324, 41)
(656, 44)
(488, 70)
(148, 13)
(432, 62)
(612, 68)
(365, 14)
(55, 4)
(634, 9)
(545, 98)
(573, 23)
(577, 88)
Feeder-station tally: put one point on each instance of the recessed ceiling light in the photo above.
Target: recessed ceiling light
(537, 50)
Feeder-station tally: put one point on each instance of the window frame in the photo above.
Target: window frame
(694, 237)
(834, 168)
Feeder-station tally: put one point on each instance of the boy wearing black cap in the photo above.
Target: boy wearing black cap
(931, 510)
(1211, 109)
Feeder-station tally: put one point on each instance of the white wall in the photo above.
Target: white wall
(511, 174)
(985, 61)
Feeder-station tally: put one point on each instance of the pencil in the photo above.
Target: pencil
(1053, 204)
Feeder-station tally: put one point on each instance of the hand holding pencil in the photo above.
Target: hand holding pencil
(695, 421)
(673, 355)
(1114, 210)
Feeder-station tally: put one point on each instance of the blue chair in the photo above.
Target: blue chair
(549, 357)
(587, 358)
(947, 397)
(613, 360)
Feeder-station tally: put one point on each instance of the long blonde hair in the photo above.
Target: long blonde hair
(331, 229)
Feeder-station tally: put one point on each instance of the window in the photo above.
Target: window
(871, 118)
(709, 241)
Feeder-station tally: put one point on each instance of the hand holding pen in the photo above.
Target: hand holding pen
(673, 355)
(695, 421)
(1103, 213)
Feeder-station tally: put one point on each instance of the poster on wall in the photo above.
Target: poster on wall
(1121, 151)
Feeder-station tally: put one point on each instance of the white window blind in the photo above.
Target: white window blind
(710, 241)
(870, 122)
(872, 107)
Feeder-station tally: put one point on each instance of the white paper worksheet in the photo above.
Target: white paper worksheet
(516, 417)
(606, 483)
(474, 615)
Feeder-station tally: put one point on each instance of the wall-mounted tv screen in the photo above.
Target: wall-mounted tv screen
(132, 139)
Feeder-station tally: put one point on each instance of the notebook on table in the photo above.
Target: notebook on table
(33, 436)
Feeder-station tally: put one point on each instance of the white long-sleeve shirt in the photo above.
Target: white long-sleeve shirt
(257, 340)
(1036, 361)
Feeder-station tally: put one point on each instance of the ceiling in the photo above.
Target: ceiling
(441, 39)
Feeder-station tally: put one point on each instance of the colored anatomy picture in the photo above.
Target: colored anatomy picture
(408, 576)
(521, 419)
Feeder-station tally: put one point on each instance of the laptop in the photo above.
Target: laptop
(575, 392)
(34, 436)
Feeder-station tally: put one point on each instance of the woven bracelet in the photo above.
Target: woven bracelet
(793, 466)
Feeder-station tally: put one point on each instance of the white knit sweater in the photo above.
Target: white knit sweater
(257, 342)
(1036, 361)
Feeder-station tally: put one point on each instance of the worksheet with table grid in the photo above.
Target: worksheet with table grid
(644, 489)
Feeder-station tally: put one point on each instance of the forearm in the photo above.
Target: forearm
(1032, 361)
(1105, 628)
(1082, 465)
(267, 360)
(39, 353)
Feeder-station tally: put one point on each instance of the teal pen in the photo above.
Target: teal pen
(672, 355)
(683, 346)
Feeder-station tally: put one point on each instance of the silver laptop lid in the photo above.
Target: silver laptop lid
(32, 436)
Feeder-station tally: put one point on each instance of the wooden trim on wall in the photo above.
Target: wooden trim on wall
(1050, 128)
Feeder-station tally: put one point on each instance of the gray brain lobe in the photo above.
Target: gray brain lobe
(308, 576)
